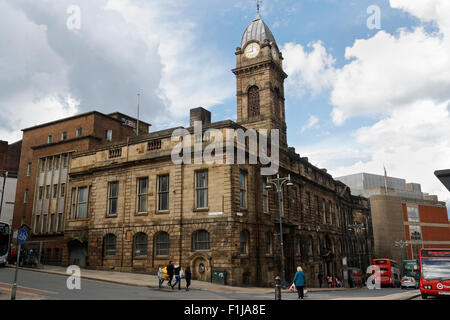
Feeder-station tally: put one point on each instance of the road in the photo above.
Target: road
(38, 285)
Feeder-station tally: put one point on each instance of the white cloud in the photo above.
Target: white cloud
(310, 124)
(310, 70)
(404, 80)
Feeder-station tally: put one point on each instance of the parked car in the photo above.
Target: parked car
(409, 282)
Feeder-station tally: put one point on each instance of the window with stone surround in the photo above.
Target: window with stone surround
(243, 189)
(162, 244)
(37, 224)
(82, 203)
(113, 193)
(140, 244)
(253, 102)
(60, 222)
(154, 145)
(73, 207)
(142, 195)
(268, 243)
(115, 153)
(200, 240)
(29, 169)
(163, 192)
(201, 189)
(109, 245)
(265, 196)
(243, 242)
(41, 192)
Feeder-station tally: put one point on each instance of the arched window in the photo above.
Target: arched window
(109, 245)
(200, 240)
(244, 242)
(311, 246)
(162, 244)
(268, 244)
(276, 102)
(253, 102)
(140, 244)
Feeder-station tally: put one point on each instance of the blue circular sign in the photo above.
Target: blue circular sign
(22, 235)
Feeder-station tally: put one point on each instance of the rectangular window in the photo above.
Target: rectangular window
(50, 164)
(62, 190)
(65, 161)
(79, 132)
(163, 192)
(29, 169)
(265, 197)
(36, 224)
(25, 196)
(55, 191)
(63, 136)
(201, 189)
(44, 224)
(43, 165)
(113, 192)
(415, 233)
(413, 214)
(41, 191)
(142, 194)
(52, 222)
(243, 189)
(82, 203)
(50, 139)
(73, 210)
(57, 158)
(47, 192)
(60, 217)
(108, 135)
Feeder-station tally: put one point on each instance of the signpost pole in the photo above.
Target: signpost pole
(21, 237)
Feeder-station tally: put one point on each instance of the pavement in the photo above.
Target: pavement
(151, 281)
(148, 280)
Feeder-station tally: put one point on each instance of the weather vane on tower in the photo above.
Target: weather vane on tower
(258, 5)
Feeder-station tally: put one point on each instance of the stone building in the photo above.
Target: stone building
(45, 158)
(139, 209)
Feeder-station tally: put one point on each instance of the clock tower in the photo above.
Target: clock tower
(260, 80)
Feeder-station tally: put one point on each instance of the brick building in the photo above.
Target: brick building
(131, 208)
(9, 165)
(401, 211)
(43, 173)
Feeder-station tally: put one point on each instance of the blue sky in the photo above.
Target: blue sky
(356, 99)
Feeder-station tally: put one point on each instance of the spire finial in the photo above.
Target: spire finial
(258, 5)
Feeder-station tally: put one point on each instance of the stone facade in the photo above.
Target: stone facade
(231, 223)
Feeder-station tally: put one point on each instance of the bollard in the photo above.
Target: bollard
(277, 288)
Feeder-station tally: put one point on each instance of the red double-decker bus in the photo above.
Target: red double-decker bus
(389, 271)
(435, 272)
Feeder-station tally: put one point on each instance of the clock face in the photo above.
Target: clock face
(274, 54)
(252, 50)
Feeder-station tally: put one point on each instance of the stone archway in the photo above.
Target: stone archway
(201, 267)
(77, 253)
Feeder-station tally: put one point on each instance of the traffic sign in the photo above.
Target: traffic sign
(22, 235)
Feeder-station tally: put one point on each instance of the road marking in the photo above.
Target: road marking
(25, 290)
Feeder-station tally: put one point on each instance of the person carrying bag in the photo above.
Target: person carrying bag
(299, 281)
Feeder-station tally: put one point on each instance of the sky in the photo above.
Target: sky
(368, 85)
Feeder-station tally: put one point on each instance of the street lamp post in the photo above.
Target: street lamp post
(278, 183)
(401, 244)
(356, 227)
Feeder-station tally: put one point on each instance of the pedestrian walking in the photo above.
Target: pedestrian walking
(170, 273)
(187, 277)
(299, 281)
(320, 277)
(160, 276)
(176, 272)
(338, 283)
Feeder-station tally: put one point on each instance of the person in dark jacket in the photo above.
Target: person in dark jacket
(187, 276)
(320, 277)
(170, 273)
(176, 272)
(299, 281)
